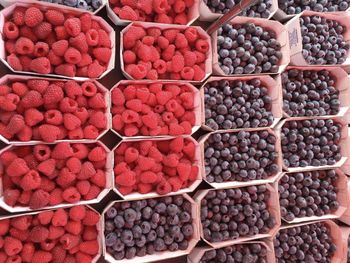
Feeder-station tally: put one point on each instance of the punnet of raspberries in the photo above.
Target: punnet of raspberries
(160, 11)
(50, 110)
(160, 166)
(147, 227)
(48, 175)
(155, 109)
(62, 235)
(48, 41)
(176, 53)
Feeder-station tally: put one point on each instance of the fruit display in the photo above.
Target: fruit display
(62, 235)
(156, 109)
(38, 109)
(165, 52)
(148, 227)
(42, 175)
(45, 40)
(297, 6)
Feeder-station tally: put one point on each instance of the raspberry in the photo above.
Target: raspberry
(38, 234)
(77, 213)
(10, 46)
(103, 39)
(71, 122)
(97, 154)
(72, 55)
(131, 155)
(4, 226)
(80, 150)
(82, 257)
(199, 73)
(128, 13)
(90, 132)
(82, 114)
(39, 85)
(135, 33)
(168, 53)
(18, 167)
(40, 65)
(68, 70)
(39, 199)
(95, 70)
(47, 167)
(11, 30)
(83, 187)
(61, 33)
(15, 125)
(43, 30)
(24, 46)
(164, 19)
(30, 181)
(53, 94)
(54, 59)
(71, 195)
(41, 49)
(18, 16)
(14, 62)
(202, 45)
(175, 183)
(102, 54)
(152, 74)
(178, 63)
(80, 42)
(42, 256)
(54, 17)
(59, 254)
(127, 178)
(73, 26)
(98, 101)
(91, 218)
(85, 21)
(60, 218)
(87, 171)
(49, 133)
(89, 247)
(56, 197)
(161, 6)
(163, 188)
(12, 246)
(60, 47)
(33, 16)
(144, 188)
(27, 252)
(99, 178)
(45, 217)
(181, 19)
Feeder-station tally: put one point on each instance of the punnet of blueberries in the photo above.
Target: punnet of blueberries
(323, 41)
(247, 49)
(254, 253)
(90, 5)
(307, 194)
(232, 104)
(228, 214)
(240, 156)
(309, 93)
(307, 243)
(261, 10)
(311, 142)
(144, 227)
(292, 7)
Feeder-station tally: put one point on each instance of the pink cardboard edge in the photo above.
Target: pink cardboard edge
(342, 198)
(10, 77)
(273, 85)
(335, 234)
(345, 233)
(198, 252)
(146, 25)
(344, 143)
(193, 15)
(191, 188)
(273, 207)
(275, 26)
(207, 15)
(6, 3)
(45, 6)
(295, 38)
(342, 84)
(98, 227)
(345, 218)
(197, 102)
(109, 183)
(158, 255)
(236, 184)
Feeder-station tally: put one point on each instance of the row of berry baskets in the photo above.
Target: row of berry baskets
(71, 43)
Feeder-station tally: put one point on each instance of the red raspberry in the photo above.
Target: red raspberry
(202, 45)
(70, 121)
(82, 257)
(39, 199)
(60, 47)
(55, 232)
(90, 132)
(18, 16)
(181, 41)
(80, 42)
(104, 39)
(38, 234)
(131, 155)
(65, 178)
(40, 65)
(68, 70)
(54, 17)
(164, 19)
(27, 252)
(47, 167)
(10, 46)
(72, 55)
(24, 46)
(77, 213)
(41, 152)
(199, 73)
(85, 21)
(14, 62)
(191, 34)
(127, 13)
(39, 85)
(30, 181)
(161, 6)
(11, 30)
(60, 217)
(53, 94)
(83, 187)
(43, 30)
(178, 63)
(99, 178)
(33, 16)
(80, 150)
(127, 178)
(71, 195)
(41, 49)
(56, 197)
(18, 167)
(12, 246)
(181, 19)
(95, 70)
(15, 125)
(148, 177)
(89, 247)
(135, 33)
(73, 26)
(4, 226)
(87, 171)
(42, 256)
(102, 54)
(45, 217)
(91, 218)
(163, 188)
(97, 154)
(136, 71)
(61, 33)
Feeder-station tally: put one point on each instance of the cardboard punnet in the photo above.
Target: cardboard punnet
(345, 218)
(335, 234)
(71, 10)
(236, 184)
(342, 84)
(98, 227)
(344, 143)
(193, 14)
(207, 15)
(6, 3)
(272, 205)
(345, 234)
(275, 26)
(273, 86)
(109, 183)
(146, 25)
(198, 110)
(342, 198)
(295, 37)
(198, 252)
(191, 188)
(12, 78)
(157, 256)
